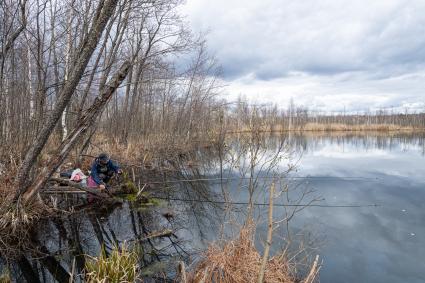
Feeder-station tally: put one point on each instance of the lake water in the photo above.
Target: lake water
(370, 244)
(380, 239)
(382, 243)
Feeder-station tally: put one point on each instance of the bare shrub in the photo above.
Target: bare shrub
(238, 261)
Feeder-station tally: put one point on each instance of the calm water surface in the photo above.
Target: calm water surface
(383, 243)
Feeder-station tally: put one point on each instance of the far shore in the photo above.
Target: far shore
(326, 128)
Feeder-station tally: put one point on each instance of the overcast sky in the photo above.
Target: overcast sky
(328, 55)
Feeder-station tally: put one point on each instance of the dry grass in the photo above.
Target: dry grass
(120, 266)
(16, 223)
(332, 127)
(151, 152)
(345, 127)
(238, 261)
(8, 172)
(16, 218)
(5, 277)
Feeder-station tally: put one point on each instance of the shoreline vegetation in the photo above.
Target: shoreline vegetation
(334, 127)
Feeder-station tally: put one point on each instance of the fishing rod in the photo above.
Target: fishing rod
(347, 178)
(352, 178)
(267, 204)
(258, 177)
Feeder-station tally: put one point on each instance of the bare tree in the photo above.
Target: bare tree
(104, 11)
(83, 125)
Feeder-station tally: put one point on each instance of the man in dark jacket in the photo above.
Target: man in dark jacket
(102, 171)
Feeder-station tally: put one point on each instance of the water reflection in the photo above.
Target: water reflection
(383, 244)
(60, 245)
(364, 141)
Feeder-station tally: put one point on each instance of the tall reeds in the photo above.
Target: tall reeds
(119, 267)
(5, 277)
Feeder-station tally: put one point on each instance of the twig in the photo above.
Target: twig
(269, 236)
(267, 204)
(203, 280)
(313, 271)
(71, 277)
(182, 272)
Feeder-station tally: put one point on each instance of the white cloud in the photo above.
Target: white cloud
(336, 53)
(334, 93)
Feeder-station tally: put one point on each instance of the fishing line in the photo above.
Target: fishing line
(267, 204)
(349, 178)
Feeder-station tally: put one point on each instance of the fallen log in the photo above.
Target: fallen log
(115, 190)
(156, 234)
(79, 186)
(60, 191)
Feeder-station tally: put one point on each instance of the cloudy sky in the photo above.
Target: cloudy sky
(325, 54)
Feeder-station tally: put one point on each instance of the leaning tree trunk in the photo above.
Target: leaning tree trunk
(11, 40)
(83, 124)
(103, 14)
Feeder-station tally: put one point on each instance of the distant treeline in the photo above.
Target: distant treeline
(244, 116)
